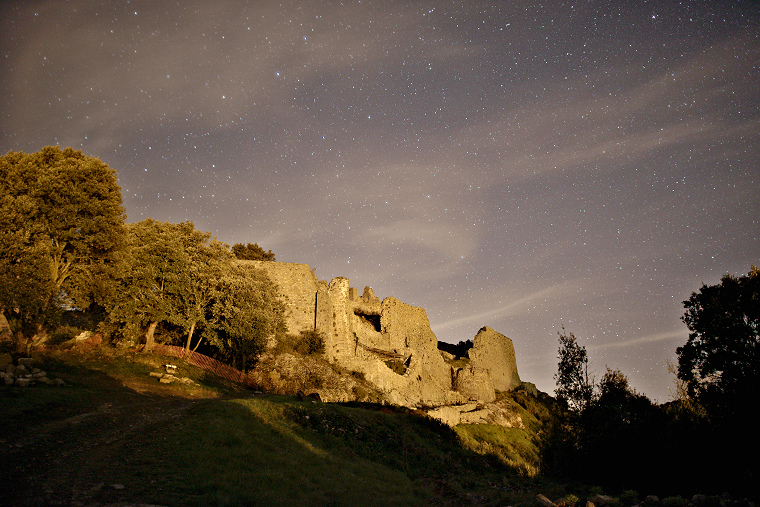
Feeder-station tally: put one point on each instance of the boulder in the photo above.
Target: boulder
(545, 502)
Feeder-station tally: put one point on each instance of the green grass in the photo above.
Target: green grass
(516, 447)
(247, 452)
(240, 449)
(279, 451)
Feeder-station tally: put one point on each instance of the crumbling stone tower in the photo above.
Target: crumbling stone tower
(390, 342)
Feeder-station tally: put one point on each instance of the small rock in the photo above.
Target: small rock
(26, 362)
(601, 500)
(24, 382)
(542, 500)
(156, 374)
(117, 486)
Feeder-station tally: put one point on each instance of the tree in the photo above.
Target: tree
(574, 386)
(63, 232)
(720, 366)
(623, 423)
(208, 261)
(172, 277)
(720, 362)
(246, 313)
(251, 252)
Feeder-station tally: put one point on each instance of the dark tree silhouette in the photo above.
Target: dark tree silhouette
(251, 252)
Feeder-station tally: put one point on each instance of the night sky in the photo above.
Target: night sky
(521, 165)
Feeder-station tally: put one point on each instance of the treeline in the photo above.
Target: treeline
(65, 248)
(705, 441)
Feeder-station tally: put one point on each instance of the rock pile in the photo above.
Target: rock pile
(23, 374)
(168, 377)
(600, 500)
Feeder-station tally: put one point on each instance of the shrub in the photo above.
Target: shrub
(396, 366)
(673, 501)
(309, 343)
(63, 334)
(629, 498)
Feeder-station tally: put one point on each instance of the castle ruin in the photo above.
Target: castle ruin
(391, 342)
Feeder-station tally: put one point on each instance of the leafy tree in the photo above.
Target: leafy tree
(246, 313)
(209, 260)
(623, 423)
(172, 277)
(574, 385)
(720, 366)
(251, 252)
(63, 232)
(720, 362)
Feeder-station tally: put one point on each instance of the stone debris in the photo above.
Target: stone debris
(168, 378)
(24, 374)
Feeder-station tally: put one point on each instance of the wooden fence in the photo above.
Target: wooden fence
(204, 362)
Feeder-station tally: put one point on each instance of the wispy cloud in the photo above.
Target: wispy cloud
(642, 340)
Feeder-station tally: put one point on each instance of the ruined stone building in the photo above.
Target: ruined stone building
(391, 343)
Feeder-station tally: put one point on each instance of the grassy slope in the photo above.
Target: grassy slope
(241, 449)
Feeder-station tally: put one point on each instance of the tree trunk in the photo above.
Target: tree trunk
(190, 336)
(149, 341)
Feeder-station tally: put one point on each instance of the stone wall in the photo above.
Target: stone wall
(298, 289)
(389, 342)
(495, 352)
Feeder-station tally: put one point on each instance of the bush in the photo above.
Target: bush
(673, 501)
(396, 366)
(63, 334)
(309, 343)
(629, 498)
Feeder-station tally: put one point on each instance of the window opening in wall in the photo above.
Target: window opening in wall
(372, 319)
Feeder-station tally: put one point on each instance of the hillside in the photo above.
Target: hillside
(114, 434)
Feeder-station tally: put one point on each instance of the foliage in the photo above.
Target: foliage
(245, 313)
(306, 343)
(64, 333)
(310, 342)
(622, 423)
(251, 252)
(171, 277)
(574, 386)
(720, 362)
(629, 498)
(62, 224)
(674, 501)
(720, 368)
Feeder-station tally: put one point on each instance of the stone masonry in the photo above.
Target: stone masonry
(390, 342)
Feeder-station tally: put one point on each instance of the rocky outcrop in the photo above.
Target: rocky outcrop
(390, 343)
(500, 413)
